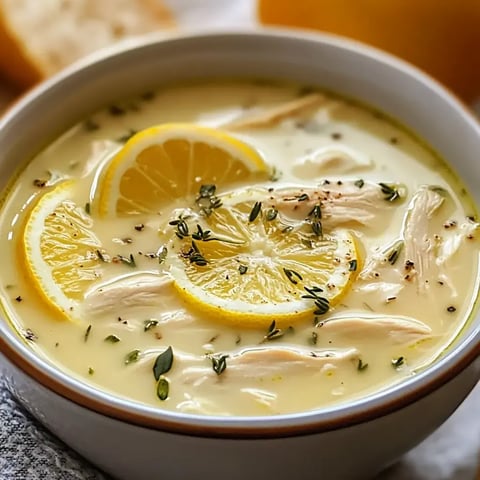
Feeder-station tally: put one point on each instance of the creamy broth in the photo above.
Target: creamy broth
(413, 289)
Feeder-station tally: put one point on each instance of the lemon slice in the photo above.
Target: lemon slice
(58, 249)
(172, 161)
(247, 265)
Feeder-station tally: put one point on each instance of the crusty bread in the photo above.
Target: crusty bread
(39, 37)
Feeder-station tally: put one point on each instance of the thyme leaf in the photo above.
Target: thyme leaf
(291, 274)
(394, 253)
(273, 332)
(352, 265)
(219, 363)
(398, 362)
(256, 210)
(163, 387)
(162, 253)
(163, 363)
(148, 324)
(242, 269)
(87, 333)
(207, 200)
(111, 339)
(271, 214)
(132, 356)
(391, 193)
(361, 366)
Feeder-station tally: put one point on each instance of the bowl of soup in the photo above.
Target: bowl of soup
(257, 252)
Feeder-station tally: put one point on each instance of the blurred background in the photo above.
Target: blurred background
(440, 36)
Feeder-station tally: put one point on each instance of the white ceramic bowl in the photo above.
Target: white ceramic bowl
(133, 441)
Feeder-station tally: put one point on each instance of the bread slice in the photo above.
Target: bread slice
(40, 37)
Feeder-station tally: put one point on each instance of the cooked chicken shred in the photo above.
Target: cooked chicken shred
(301, 107)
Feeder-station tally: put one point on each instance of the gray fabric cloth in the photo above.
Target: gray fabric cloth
(29, 452)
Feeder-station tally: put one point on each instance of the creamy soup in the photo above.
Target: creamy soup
(280, 250)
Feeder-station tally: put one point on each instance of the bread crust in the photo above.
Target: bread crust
(25, 66)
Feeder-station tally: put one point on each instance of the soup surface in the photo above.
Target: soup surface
(279, 250)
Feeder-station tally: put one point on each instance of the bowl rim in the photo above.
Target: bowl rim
(367, 408)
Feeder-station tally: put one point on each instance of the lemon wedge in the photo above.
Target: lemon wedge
(246, 264)
(171, 161)
(58, 249)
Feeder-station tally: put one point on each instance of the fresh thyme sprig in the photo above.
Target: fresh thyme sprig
(207, 200)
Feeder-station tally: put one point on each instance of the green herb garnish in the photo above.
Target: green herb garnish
(148, 324)
(398, 362)
(291, 274)
(242, 269)
(162, 253)
(352, 265)
(112, 339)
(273, 332)
(87, 333)
(359, 183)
(275, 174)
(132, 357)
(91, 371)
(207, 200)
(395, 253)
(256, 210)
(87, 208)
(102, 256)
(271, 214)
(163, 363)
(195, 256)
(219, 363)
(130, 260)
(303, 197)
(391, 193)
(361, 366)
(127, 136)
(322, 303)
(163, 388)
(313, 338)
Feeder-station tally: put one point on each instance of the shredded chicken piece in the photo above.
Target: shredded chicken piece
(299, 107)
(414, 243)
(418, 243)
(451, 245)
(400, 329)
(134, 290)
(341, 202)
(273, 361)
(387, 289)
(338, 159)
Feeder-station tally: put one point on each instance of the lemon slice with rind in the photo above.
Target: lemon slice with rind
(170, 161)
(247, 265)
(58, 249)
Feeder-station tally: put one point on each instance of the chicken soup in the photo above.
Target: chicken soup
(239, 248)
